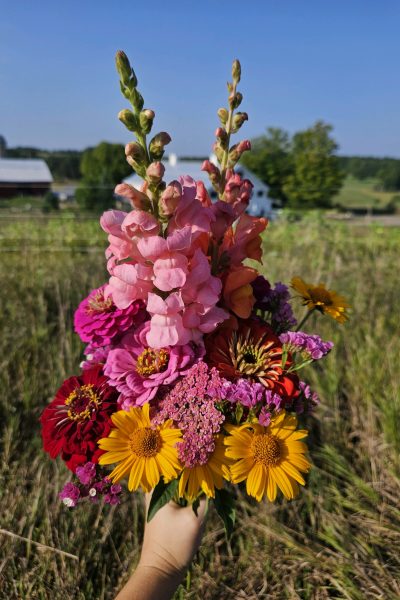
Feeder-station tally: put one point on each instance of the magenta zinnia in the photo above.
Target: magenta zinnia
(98, 321)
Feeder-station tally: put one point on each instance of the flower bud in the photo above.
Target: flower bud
(134, 151)
(236, 152)
(223, 115)
(236, 71)
(137, 99)
(219, 151)
(137, 199)
(238, 121)
(127, 117)
(146, 119)
(125, 70)
(170, 198)
(222, 137)
(213, 171)
(157, 144)
(155, 172)
(235, 100)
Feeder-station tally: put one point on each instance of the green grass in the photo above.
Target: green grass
(339, 539)
(357, 193)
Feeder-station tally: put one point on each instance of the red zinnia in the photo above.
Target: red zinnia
(251, 351)
(78, 417)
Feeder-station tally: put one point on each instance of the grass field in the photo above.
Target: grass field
(356, 193)
(339, 539)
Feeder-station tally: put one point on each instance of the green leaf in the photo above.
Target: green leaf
(162, 494)
(225, 506)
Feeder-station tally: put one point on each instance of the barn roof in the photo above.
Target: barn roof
(24, 170)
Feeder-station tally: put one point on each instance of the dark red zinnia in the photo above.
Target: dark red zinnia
(251, 351)
(78, 417)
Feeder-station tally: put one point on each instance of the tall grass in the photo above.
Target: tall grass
(339, 539)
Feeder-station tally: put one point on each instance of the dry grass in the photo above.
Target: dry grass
(340, 539)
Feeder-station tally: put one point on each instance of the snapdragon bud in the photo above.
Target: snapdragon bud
(146, 119)
(135, 156)
(170, 198)
(236, 71)
(155, 172)
(219, 151)
(222, 137)
(236, 152)
(127, 117)
(137, 199)
(125, 70)
(158, 143)
(213, 171)
(235, 100)
(238, 121)
(223, 115)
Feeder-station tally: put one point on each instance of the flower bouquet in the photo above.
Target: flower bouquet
(190, 384)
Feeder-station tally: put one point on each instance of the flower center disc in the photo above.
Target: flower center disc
(265, 449)
(145, 442)
(152, 361)
(99, 304)
(320, 296)
(82, 402)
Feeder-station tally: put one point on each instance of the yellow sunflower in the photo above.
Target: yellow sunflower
(268, 457)
(319, 298)
(206, 477)
(144, 451)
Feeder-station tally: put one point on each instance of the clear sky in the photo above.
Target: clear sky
(302, 60)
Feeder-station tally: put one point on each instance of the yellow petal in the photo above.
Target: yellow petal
(136, 474)
(152, 472)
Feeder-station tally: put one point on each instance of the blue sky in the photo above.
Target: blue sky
(302, 60)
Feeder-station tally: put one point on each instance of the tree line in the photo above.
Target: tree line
(304, 170)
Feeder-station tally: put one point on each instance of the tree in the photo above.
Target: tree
(316, 175)
(271, 161)
(102, 168)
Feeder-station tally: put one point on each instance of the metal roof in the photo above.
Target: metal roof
(260, 203)
(24, 170)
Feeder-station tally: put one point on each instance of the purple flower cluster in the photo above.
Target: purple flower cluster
(94, 356)
(243, 392)
(90, 486)
(252, 395)
(310, 346)
(191, 405)
(275, 302)
(273, 403)
(97, 320)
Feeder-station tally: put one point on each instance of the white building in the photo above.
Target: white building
(260, 203)
(24, 176)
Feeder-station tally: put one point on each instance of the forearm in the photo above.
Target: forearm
(149, 582)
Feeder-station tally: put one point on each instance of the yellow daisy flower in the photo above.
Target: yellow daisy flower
(205, 477)
(268, 457)
(319, 298)
(142, 450)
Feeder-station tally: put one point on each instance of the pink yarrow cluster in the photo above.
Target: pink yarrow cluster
(171, 272)
(191, 404)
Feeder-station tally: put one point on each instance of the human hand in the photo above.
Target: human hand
(170, 541)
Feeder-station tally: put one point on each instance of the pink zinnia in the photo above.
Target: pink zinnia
(138, 371)
(98, 321)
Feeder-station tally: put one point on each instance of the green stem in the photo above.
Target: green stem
(228, 127)
(305, 318)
